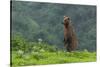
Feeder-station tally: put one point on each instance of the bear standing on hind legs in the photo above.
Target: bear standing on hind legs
(70, 40)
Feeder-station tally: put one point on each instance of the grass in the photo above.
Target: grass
(40, 53)
(41, 58)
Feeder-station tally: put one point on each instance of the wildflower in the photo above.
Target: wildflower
(20, 52)
(39, 40)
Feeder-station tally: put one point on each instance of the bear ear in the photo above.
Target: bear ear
(64, 16)
(68, 18)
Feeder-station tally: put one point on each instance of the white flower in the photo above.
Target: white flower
(20, 52)
(40, 40)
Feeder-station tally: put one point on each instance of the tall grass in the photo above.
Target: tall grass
(37, 58)
(39, 53)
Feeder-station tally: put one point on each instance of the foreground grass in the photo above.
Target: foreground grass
(36, 58)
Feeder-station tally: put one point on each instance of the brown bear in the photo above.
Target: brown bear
(70, 39)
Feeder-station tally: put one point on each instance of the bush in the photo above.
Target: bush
(18, 43)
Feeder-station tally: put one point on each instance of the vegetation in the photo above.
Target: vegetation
(37, 33)
(38, 58)
(37, 53)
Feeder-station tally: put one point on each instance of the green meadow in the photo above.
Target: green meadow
(40, 55)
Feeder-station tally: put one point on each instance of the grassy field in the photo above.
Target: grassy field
(39, 53)
(60, 57)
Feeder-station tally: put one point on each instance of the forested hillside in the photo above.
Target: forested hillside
(34, 21)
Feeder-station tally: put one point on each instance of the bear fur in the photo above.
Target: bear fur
(70, 39)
